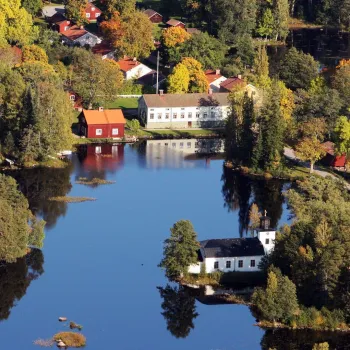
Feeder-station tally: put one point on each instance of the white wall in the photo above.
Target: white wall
(215, 85)
(137, 72)
(209, 264)
(267, 239)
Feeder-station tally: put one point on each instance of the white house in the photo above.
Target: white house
(180, 111)
(214, 79)
(76, 35)
(133, 69)
(236, 254)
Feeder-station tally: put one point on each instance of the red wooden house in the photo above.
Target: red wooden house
(153, 16)
(92, 12)
(331, 158)
(102, 123)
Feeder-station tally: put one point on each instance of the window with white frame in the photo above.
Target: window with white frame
(188, 144)
(72, 97)
(167, 115)
(252, 263)
(228, 264)
(115, 131)
(92, 9)
(197, 114)
(240, 263)
(205, 115)
(174, 115)
(181, 145)
(267, 241)
(182, 114)
(189, 114)
(151, 116)
(173, 145)
(87, 15)
(159, 115)
(98, 149)
(97, 14)
(216, 264)
(98, 132)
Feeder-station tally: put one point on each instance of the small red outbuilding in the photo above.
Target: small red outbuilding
(102, 123)
(331, 158)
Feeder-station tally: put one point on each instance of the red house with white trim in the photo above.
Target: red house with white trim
(102, 123)
(92, 12)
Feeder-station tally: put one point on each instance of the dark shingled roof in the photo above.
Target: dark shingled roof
(150, 13)
(186, 100)
(232, 247)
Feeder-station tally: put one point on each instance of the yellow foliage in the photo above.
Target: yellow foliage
(343, 63)
(34, 53)
(174, 35)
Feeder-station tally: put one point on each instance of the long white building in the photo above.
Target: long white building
(180, 111)
(236, 254)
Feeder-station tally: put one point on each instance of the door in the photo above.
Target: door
(190, 124)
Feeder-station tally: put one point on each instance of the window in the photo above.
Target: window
(182, 115)
(98, 149)
(97, 14)
(92, 9)
(181, 145)
(72, 97)
(213, 114)
(216, 265)
(205, 115)
(174, 115)
(87, 15)
(152, 109)
(267, 241)
(196, 145)
(197, 114)
(190, 114)
(151, 116)
(228, 264)
(167, 115)
(98, 131)
(159, 115)
(115, 131)
(252, 263)
(188, 144)
(182, 109)
(168, 109)
(174, 145)
(240, 263)
(166, 144)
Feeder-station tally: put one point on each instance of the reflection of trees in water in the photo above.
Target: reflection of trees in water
(303, 339)
(179, 310)
(39, 184)
(15, 279)
(240, 192)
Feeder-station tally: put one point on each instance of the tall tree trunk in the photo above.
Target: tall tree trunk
(311, 167)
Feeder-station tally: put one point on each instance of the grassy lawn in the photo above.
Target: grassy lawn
(123, 103)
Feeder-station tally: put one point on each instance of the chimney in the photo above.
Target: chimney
(217, 72)
(81, 27)
(161, 92)
(239, 76)
(100, 109)
(134, 59)
(210, 92)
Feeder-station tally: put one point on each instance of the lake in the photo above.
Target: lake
(99, 268)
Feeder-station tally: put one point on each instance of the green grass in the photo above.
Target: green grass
(171, 133)
(123, 103)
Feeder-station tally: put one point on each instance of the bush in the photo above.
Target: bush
(71, 339)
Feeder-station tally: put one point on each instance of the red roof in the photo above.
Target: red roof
(150, 13)
(174, 22)
(74, 32)
(105, 116)
(89, 7)
(127, 64)
(229, 83)
(212, 76)
(102, 49)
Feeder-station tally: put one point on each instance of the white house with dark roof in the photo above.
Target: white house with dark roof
(236, 254)
(181, 111)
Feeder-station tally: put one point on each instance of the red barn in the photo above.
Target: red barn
(92, 12)
(331, 158)
(175, 23)
(153, 16)
(102, 123)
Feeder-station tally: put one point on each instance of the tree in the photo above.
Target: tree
(179, 310)
(261, 68)
(321, 346)
(209, 51)
(266, 25)
(33, 6)
(174, 36)
(254, 217)
(279, 301)
(15, 226)
(310, 149)
(198, 80)
(34, 53)
(95, 80)
(180, 250)
(341, 82)
(75, 11)
(16, 24)
(131, 34)
(342, 134)
(134, 126)
(124, 7)
(298, 69)
(179, 80)
(281, 18)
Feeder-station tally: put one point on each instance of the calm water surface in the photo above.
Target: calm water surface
(99, 263)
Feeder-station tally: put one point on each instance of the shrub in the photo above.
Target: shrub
(71, 339)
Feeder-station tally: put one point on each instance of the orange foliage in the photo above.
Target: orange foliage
(174, 35)
(112, 29)
(343, 63)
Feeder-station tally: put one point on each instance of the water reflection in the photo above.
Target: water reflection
(240, 192)
(303, 339)
(15, 279)
(97, 160)
(39, 184)
(176, 154)
(179, 309)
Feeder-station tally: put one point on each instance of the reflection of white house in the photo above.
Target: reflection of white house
(133, 69)
(236, 254)
(180, 111)
(172, 153)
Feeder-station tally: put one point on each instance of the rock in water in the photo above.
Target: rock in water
(62, 319)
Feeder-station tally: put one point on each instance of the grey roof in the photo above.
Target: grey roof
(186, 100)
(232, 247)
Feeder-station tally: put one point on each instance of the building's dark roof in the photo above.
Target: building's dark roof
(186, 100)
(57, 17)
(232, 247)
(150, 13)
